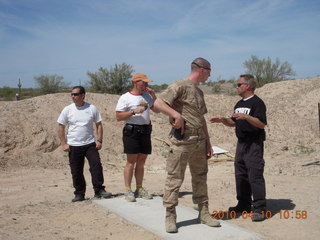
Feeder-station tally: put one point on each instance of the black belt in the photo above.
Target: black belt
(143, 128)
(139, 125)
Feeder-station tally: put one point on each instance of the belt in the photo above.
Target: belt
(193, 131)
(139, 125)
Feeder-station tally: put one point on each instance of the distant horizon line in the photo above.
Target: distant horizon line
(216, 80)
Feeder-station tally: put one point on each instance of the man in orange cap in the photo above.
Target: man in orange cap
(134, 108)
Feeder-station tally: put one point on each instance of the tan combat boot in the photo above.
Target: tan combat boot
(205, 217)
(171, 219)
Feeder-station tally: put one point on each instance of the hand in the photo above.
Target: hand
(209, 150)
(179, 123)
(98, 145)
(216, 120)
(139, 109)
(240, 116)
(66, 147)
(149, 90)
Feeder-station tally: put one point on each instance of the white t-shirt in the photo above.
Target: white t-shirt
(130, 101)
(80, 122)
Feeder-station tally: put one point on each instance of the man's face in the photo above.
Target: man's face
(207, 73)
(204, 72)
(76, 96)
(242, 86)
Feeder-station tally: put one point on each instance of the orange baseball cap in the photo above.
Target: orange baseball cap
(140, 76)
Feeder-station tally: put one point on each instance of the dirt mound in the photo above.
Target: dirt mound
(29, 129)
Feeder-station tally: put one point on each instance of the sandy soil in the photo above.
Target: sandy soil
(35, 180)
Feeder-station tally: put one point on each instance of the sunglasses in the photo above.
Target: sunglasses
(75, 94)
(239, 84)
(201, 66)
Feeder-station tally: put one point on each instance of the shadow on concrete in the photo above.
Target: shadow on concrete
(182, 194)
(187, 222)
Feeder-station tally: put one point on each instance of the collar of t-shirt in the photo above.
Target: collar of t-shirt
(245, 99)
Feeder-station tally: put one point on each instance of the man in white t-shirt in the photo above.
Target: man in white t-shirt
(80, 142)
(134, 108)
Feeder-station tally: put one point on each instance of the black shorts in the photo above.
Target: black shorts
(137, 139)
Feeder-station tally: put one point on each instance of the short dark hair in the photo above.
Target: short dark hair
(81, 89)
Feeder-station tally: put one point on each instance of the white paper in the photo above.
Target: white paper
(217, 150)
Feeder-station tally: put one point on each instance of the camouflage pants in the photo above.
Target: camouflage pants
(190, 151)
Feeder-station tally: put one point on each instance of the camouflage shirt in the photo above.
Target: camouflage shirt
(186, 98)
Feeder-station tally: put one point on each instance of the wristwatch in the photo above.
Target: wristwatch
(132, 112)
(100, 141)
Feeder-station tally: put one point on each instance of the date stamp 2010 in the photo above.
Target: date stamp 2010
(234, 214)
(283, 214)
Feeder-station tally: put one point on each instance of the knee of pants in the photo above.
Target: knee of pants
(255, 175)
(173, 183)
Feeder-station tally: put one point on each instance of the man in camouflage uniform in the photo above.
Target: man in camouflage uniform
(184, 103)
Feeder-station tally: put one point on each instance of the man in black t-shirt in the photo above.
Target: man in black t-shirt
(249, 119)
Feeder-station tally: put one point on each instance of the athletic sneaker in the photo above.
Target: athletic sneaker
(142, 193)
(130, 196)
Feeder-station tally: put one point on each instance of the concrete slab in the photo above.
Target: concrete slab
(150, 215)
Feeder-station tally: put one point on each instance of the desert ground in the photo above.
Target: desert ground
(35, 180)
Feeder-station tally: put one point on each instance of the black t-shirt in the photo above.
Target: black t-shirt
(255, 107)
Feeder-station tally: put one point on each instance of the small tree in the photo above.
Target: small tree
(50, 83)
(266, 71)
(19, 87)
(115, 80)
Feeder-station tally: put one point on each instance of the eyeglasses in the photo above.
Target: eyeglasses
(75, 94)
(239, 84)
(201, 66)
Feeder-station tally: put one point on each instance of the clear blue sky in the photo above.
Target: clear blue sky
(157, 37)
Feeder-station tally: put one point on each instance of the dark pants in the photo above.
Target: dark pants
(249, 167)
(76, 160)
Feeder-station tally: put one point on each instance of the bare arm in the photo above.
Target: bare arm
(164, 108)
(99, 135)
(226, 121)
(154, 109)
(122, 116)
(154, 97)
(62, 137)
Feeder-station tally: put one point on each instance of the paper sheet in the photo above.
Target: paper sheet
(217, 150)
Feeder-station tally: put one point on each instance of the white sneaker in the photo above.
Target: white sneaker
(142, 193)
(130, 196)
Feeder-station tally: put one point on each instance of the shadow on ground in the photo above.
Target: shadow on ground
(274, 206)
